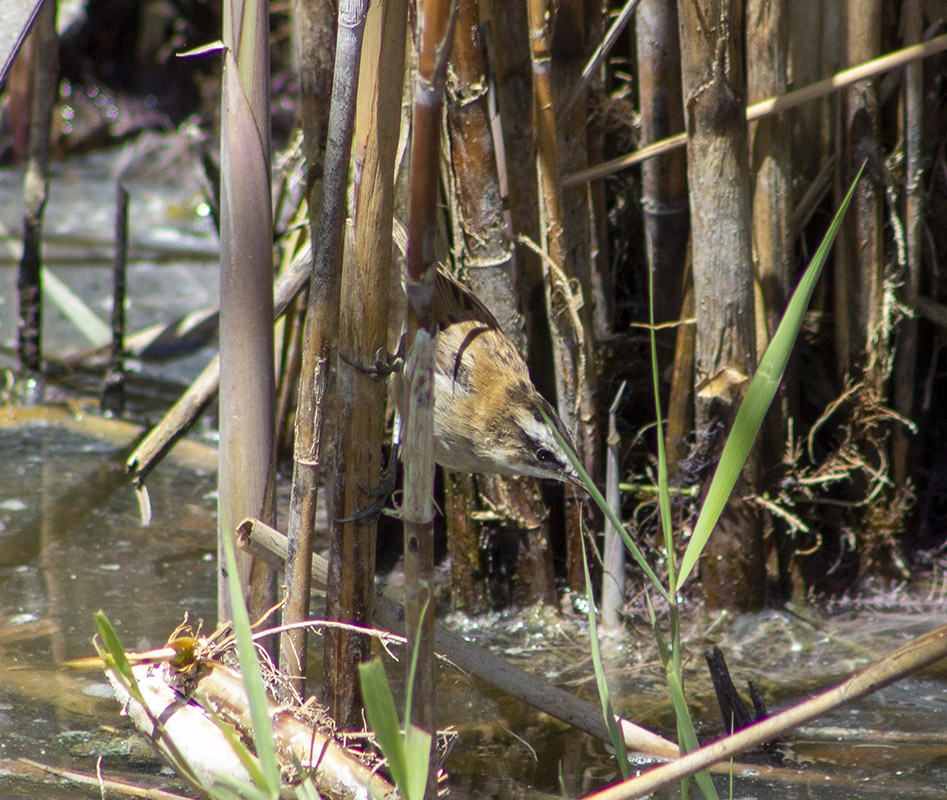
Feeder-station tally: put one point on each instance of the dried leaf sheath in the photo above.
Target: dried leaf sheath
(246, 287)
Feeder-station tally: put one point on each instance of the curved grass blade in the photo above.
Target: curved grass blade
(759, 396)
(614, 731)
(596, 496)
(383, 718)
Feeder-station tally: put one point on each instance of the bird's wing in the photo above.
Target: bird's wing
(454, 302)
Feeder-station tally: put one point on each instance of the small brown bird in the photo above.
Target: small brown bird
(486, 409)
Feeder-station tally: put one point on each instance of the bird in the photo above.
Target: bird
(488, 414)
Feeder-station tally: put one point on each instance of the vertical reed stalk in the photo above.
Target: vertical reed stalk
(594, 217)
(43, 49)
(771, 167)
(613, 551)
(572, 347)
(680, 417)
(363, 320)
(485, 254)
(860, 341)
(434, 34)
(769, 154)
(314, 47)
(663, 179)
(322, 326)
(113, 387)
(810, 26)
(904, 367)
(510, 65)
(718, 177)
(246, 289)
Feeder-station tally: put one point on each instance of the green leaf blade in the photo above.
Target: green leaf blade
(759, 397)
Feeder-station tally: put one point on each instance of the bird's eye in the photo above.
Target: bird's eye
(544, 455)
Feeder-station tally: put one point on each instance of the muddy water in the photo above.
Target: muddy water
(71, 543)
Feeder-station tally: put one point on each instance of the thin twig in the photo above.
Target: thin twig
(768, 107)
(597, 57)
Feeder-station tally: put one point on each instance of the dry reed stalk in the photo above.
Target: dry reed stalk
(363, 329)
(733, 571)
(112, 398)
(570, 338)
(811, 124)
(41, 773)
(484, 251)
(434, 33)
(314, 49)
(772, 105)
(770, 164)
(663, 180)
(42, 52)
(771, 171)
(906, 356)
(613, 551)
(245, 472)
(322, 326)
(508, 51)
(354, 470)
(680, 414)
(290, 366)
(860, 342)
(592, 259)
(590, 304)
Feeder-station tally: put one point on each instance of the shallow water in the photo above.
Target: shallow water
(71, 543)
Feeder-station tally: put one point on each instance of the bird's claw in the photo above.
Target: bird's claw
(385, 364)
(386, 487)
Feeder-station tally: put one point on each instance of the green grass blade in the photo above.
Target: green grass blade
(664, 493)
(115, 650)
(263, 740)
(597, 498)
(759, 396)
(417, 749)
(413, 665)
(686, 732)
(614, 731)
(383, 718)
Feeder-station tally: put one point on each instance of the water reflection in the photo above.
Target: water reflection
(71, 543)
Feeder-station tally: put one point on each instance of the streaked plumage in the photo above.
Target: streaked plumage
(486, 408)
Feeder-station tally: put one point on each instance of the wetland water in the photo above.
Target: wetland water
(71, 543)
